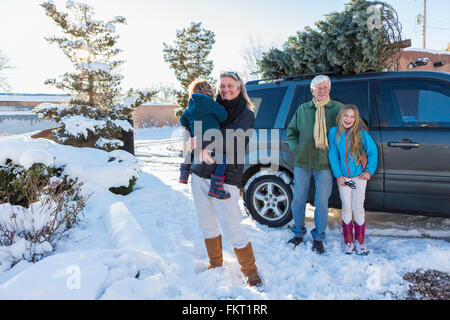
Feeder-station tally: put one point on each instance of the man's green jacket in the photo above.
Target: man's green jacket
(300, 135)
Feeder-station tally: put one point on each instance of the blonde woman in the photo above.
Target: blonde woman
(217, 217)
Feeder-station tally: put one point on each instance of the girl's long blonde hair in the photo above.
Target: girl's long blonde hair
(354, 133)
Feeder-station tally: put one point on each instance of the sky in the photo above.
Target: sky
(24, 25)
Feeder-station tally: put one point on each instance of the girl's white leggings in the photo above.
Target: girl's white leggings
(353, 201)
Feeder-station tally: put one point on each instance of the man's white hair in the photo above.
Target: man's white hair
(320, 79)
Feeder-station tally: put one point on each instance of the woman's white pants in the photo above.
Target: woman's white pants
(212, 212)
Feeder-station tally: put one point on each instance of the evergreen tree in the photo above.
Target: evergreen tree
(98, 110)
(188, 58)
(365, 36)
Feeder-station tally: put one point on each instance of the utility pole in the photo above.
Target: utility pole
(424, 26)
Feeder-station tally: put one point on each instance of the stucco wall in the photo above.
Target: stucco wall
(155, 115)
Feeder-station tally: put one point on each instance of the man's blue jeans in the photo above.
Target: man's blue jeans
(323, 182)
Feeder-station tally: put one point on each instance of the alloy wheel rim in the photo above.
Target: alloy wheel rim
(271, 201)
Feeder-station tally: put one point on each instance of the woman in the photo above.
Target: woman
(212, 212)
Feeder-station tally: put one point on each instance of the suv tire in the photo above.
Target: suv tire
(268, 200)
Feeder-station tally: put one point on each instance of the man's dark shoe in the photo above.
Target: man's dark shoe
(318, 247)
(296, 241)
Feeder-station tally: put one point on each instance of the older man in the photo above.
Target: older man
(307, 138)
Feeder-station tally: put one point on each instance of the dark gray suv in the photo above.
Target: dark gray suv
(408, 116)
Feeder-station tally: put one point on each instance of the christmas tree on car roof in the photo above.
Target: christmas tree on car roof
(366, 36)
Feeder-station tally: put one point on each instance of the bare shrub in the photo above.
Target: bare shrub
(49, 207)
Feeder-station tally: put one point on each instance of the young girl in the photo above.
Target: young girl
(202, 107)
(347, 140)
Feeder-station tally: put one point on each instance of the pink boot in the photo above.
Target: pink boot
(347, 230)
(360, 247)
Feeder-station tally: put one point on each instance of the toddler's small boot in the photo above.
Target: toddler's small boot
(347, 230)
(184, 173)
(216, 190)
(360, 247)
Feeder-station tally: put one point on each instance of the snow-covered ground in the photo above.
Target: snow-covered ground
(148, 245)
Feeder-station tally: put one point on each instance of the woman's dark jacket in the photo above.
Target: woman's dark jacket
(233, 174)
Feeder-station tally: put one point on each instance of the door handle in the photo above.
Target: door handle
(404, 144)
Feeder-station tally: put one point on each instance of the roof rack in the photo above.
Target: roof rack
(305, 76)
(293, 77)
(253, 82)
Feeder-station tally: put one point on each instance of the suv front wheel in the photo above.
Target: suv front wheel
(268, 200)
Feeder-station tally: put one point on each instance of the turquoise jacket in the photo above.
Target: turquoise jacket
(342, 164)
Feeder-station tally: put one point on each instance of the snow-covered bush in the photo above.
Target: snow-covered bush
(17, 184)
(96, 169)
(44, 187)
(37, 207)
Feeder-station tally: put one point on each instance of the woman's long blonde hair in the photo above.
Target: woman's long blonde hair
(354, 132)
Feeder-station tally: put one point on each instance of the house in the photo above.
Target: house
(413, 59)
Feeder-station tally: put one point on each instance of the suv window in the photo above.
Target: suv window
(355, 92)
(299, 98)
(416, 103)
(267, 102)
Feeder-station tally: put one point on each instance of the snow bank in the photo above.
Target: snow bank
(123, 267)
(77, 275)
(91, 166)
(123, 228)
(117, 249)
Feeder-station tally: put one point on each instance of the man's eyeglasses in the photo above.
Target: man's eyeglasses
(351, 184)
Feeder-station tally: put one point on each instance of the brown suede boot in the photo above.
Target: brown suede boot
(246, 259)
(214, 249)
